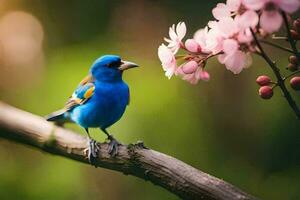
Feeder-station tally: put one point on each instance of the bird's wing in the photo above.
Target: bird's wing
(82, 94)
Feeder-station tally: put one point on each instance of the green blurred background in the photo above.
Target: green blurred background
(221, 127)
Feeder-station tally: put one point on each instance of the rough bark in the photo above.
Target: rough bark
(163, 170)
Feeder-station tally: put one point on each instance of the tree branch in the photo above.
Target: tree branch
(166, 171)
(280, 79)
(276, 46)
(289, 35)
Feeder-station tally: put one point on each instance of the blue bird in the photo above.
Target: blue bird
(99, 101)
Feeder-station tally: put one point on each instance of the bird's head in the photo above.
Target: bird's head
(110, 68)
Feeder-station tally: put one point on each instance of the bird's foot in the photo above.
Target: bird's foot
(92, 151)
(113, 146)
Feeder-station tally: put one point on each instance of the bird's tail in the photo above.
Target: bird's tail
(58, 117)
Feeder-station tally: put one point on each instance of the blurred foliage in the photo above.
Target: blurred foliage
(221, 127)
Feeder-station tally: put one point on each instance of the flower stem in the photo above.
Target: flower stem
(289, 36)
(291, 74)
(274, 37)
(280, 80)
(277, 46)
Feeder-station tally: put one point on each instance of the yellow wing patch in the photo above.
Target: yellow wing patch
(86, 79)
(89, 92)
(83, 93)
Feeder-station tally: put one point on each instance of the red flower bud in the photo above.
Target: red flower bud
(294, 34)
(265, 92)
(293, 60)
(296, 25)
(263, 80)
(292, 67)
(295, 83)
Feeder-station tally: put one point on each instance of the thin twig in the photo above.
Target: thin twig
(280, 80)
(291, 74)
(277, 46)
(274, 37)
(289, 36)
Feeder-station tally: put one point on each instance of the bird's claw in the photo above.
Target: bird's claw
(92, 151)
(113, 146)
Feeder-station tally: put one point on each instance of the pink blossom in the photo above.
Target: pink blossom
(194, 78)
(243, 20)
(234, 59)
(204, 75)
(221, 11)
(254, 4)
(227, 27)
(231, 29)
(192, 45)
(270, 21)
(289, 6)
(189, 67)
(249, 19)
(214, 41)
(209, 39)
(270, 18)
(245, 36)
(176, 35)
(167, 59)
(192, 72)
(201, 37)
(233, 5)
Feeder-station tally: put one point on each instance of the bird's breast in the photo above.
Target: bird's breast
(105, 107)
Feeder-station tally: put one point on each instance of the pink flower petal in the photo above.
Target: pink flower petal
(247, 19)
(191, 79)
(254, 4)
(189, 67)
(179, 71)
(227, 27)
(165, 55)
(236, 62)
(230, 46)
(221, 58)
(245, 36)
(174, 43)
(289, 6)
(181, 30)
(270, 21)
(221, 11)
(169, 72)
(212, 24)
(204, 75)
(192, 45)
(233, 5)
(200, 36)
(172, 32)
(167, 59)
(213, 42)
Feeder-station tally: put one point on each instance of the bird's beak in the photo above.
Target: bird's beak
(127, 65)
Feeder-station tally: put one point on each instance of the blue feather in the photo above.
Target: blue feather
(108, 101)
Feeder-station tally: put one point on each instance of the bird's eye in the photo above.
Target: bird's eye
(114, 64)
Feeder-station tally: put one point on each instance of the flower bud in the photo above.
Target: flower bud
(263, 80)
(296, 25)
(265, 92)
(294, 34)
(192, 46)
(189, 67)
(295, 83)
(292, 67)
(293, 60)
(204, 75)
